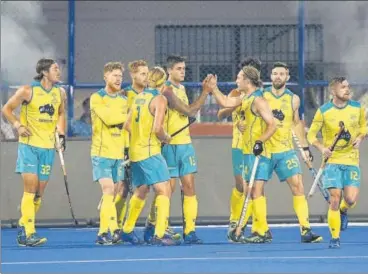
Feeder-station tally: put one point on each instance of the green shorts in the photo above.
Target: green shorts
(181, 159)
(107, 168)
(340, 176)
(285, 164)
(150, 171)
(35, 160)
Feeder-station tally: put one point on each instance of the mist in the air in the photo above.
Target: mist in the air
(23, 42)
(345, 27)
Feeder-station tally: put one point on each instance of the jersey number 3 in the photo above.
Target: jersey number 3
(139, 112)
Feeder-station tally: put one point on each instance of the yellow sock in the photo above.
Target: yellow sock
(255, 224)
(248, 213)
(236, 204)
(190, 213)
(28, 213)
(265, 224)
(259, 207)
(152, 214)
(135, 208)
(113, 223)
(106, 213)
(301, 210)
(344, 206)
(121, 208)
(334, 223)
(163, 206)
(37, 203)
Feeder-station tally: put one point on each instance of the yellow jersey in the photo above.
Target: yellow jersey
(255, 125)
(282, 110)
(130, 94)
(108, 114)
(41, 115)
(327, 120)
(143, 141)
(237, 115)
(175, 121)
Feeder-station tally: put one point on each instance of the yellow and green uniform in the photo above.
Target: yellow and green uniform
(179, 154)
(130, 93)
(36, 152)
(148, 165)
(342, 168)
(255, 126)
(284, 160)
(108, 114)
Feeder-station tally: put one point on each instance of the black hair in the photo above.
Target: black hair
(43, 64)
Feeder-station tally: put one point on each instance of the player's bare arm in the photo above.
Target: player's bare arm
(221, 99)
(23, 94)
(226, 112)
(298, 127)
(159, 104)
(61, 125)
(262, 108)
(188, 110)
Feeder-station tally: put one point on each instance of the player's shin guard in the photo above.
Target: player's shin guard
(28, 213)
(301, 210)
(121, 208)
(190, 213)
(344, 206)
(152, 214)
(107, 200)
(236, 204)
(37, 203)
(135, 208)
(163, 208)
(334, 222)
(260, 212)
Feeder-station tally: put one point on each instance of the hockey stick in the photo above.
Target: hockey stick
(238, 229)
(322, 168)
(312, 170)
(61, 156)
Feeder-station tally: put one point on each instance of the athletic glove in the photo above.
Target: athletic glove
(258, 148)
(62, 141)
(126, 153)
(309, 155)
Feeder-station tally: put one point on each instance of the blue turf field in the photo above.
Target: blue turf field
(73, 250)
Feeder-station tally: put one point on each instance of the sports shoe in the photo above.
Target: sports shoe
(149, 232)
(255, 238)
(268, 236)
(21, 236)
(103, 239)
(307, 236)
(116, 237)
(344, 220)
(334, 243)
(34, 240)
(231, 232)
(191, 238)
(176, 236)
(130, 238)
(166, 240)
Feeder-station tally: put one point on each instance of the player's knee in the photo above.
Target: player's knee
(350, 199)
(239, 183)
(30, 183)
(107, 186)
(296, 185)
(141, 192)
(335, 202)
